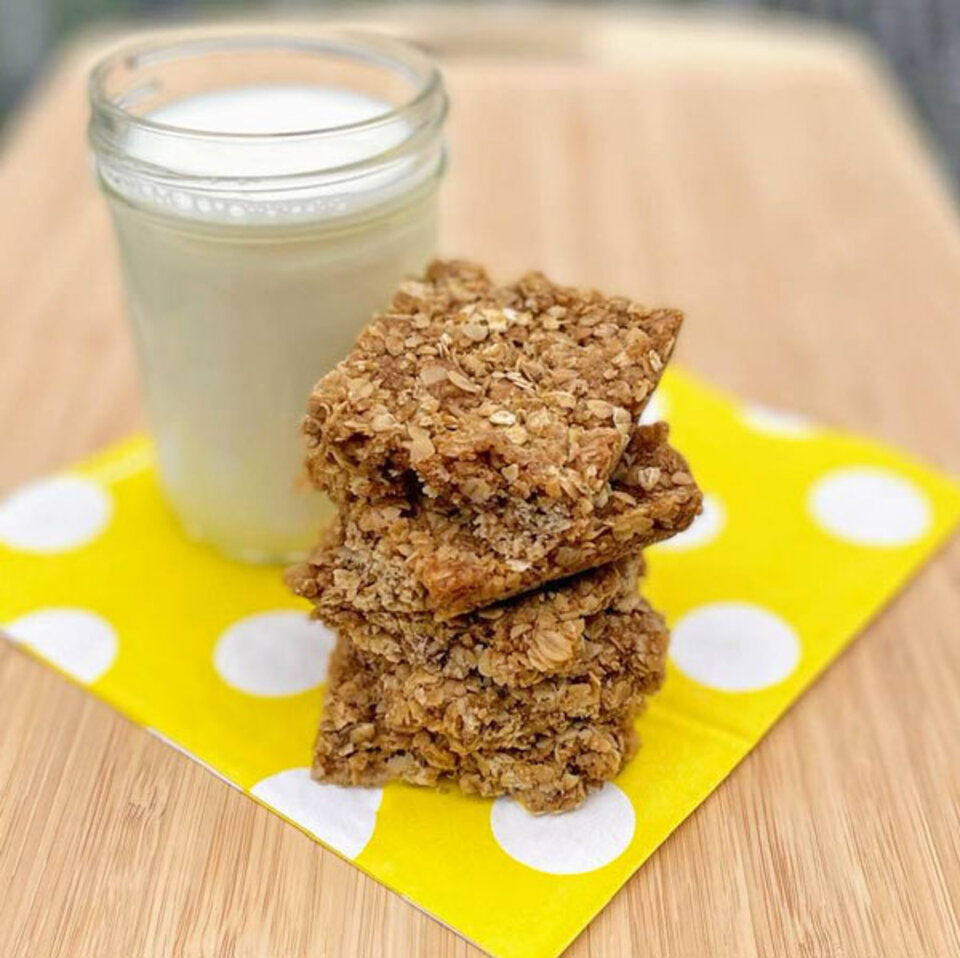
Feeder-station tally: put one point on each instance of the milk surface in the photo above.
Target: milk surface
(280, 110)
(276, 108)
(310, 130)
(239, 306)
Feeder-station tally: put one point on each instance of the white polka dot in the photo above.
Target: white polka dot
(274, 653)
(704, 529)
(656, 409)
(80, 643)
(776, 422)
(343, 818)
(54, 515)
(193, 758)
(734, 647)
(583, 840)
(870, 507)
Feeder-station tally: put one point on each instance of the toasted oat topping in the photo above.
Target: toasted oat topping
(476, 392)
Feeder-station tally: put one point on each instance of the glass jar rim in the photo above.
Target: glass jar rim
(352, 164)
(362, 44)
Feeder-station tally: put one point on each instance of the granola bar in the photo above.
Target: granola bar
(474, 393)
(621, 659)
(554, 771)
(411, 556)
(553, 631)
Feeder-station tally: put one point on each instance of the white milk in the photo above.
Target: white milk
(240, 305)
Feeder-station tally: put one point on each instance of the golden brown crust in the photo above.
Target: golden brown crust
(474, 393)
(364, 741)
(410, 556)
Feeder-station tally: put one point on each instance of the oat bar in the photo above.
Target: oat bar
(476, 713)
(559, 630)
(410, 556)
(472, 393)
(553, 772)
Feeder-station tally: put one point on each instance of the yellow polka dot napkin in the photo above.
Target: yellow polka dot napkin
(805, 535)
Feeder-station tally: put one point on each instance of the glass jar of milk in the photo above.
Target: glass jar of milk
(268, 194)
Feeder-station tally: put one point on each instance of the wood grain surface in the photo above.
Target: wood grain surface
(768, 182)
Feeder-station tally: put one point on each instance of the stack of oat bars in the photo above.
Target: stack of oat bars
(495, 492)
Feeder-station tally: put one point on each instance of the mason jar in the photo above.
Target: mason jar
(267, 193)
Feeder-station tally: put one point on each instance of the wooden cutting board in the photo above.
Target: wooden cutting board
(767, 180)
